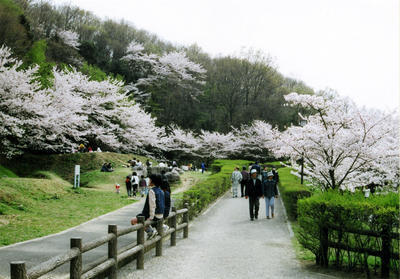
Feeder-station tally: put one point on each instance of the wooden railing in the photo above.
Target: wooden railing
(386, 253)
(109, 265)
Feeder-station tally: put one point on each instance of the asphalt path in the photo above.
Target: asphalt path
(224, 243)
(39, 250)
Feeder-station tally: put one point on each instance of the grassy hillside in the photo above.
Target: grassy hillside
(37, 199)
(4, 172)
(63, 164)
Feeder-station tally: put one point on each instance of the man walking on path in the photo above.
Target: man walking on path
(236, 179)
(270, 192)
(253, 193)
(257, 167)
(245, 178)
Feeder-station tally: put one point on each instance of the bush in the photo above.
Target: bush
(204, 193)
(342, 218)
(291, 191)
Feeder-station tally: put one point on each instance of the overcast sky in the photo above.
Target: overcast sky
(351, 46)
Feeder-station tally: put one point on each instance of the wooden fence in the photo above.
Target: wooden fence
(385, 254)
(109, 265)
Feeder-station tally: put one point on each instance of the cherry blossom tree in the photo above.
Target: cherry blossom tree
(22, 104)
(343, 146)
(255, 140)
(217, 145)
(72, 110)
(182, 141)
(154, 71)
(70, 38)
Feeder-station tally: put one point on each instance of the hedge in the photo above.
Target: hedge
(201, 195)
(350, 231)
(291, 191)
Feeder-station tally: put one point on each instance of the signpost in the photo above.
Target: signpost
(77, 176)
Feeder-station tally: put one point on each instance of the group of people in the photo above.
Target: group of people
(136, 163)
(107, 167)
(157, 204)
(134, 185)
(82, 149)
(254, 185)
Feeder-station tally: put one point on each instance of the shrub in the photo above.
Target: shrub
(342, 220)
(291, 191)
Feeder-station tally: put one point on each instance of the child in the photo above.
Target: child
(117, 188)
(143, 186)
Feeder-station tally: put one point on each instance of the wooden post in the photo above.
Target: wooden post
(386, 241)
(323, 240)
(140, 241)
(112, 251)
(160, 229)
(186, 220)
(18, 270)
(75, 266)
(172, 224)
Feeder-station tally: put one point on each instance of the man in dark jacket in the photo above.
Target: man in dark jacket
(270, 192)
(245, 178)
(253, 193)
(154, 206)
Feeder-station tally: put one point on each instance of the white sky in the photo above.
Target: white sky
(351, 46)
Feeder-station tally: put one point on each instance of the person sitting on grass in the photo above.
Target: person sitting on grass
(154, 206)
(104, 168)
(109, 167)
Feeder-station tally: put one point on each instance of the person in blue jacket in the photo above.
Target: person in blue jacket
(270, 192)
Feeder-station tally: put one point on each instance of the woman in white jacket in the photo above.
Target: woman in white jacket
(236, 179)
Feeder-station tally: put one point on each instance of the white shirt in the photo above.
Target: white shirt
(135, 180)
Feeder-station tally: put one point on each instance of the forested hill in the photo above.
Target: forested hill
(212, 94)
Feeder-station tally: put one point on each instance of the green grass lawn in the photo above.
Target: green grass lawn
(32, 207)
(45, 203)
(6, 172)
(105, 180)
(189, 179)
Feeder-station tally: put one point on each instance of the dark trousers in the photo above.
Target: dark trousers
(254, 205)
(242, 189)
(129, 190)
(134, 189)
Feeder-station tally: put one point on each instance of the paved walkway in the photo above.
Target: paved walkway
(223, 243)
(40, 250)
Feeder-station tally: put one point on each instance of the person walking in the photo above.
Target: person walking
(245, 178)
(203, 167)
(128, 185)
(276, 175)
(154, 206)
(257, 167)
(253, 193)
(236, 178)
(135, 183)
(270, 193)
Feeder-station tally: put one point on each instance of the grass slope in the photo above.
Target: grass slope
(6, 172)
(34, 207)
(63, 164)
(44, 202)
